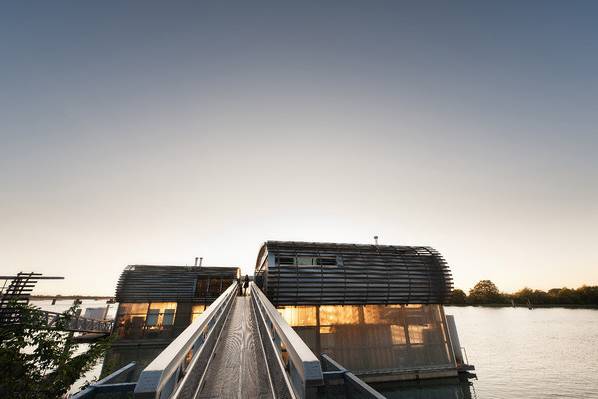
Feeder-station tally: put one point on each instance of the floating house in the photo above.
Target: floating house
(157, 303)
(319, 319)
(375, 309)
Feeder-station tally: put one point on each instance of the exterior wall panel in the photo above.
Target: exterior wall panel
(362, 274)
(145, 283)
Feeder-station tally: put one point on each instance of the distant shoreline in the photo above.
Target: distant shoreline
(64, 297)
(504, 305)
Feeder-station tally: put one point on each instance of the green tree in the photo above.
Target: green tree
(40, 363)
(588, 295)
(485, 292)
(567, 296)
(522, 296)
(458, 297)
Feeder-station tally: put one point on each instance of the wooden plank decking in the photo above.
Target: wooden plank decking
(238, 368)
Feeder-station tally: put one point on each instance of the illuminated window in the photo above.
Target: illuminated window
(161, 314)
(152, 317)
(161, 306)
(131, 319)
(374, 337)
(299, 316)
(337, 314)
(373, 314)
(398, 334)
(196, 311)
(133, 308)
(168, 317)
(416, 334)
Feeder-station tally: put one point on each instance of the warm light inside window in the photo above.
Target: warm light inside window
(416, 334)
(398, 334)
(196, 311)
(374, 337)
(336, 314)
(299, 316)
(133, 308)
(161, 313)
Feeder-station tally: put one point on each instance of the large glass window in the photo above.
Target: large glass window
(130, 321)
(145, 320)
(398, 334)
(211, 287)
(374, 337)
(331, 315)
(416, 334)
(299, 316)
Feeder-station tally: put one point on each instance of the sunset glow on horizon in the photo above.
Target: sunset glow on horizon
(152, 133)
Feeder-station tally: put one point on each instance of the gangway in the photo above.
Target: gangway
(14, 300)
(239, 347)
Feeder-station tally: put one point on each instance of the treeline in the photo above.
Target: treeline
(486, 293)
(65, 297)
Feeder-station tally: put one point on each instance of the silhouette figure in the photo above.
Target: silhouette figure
(245, 285)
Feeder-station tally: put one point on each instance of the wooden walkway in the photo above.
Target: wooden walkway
(238, 368)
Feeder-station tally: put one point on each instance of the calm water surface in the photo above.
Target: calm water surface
(540, 353)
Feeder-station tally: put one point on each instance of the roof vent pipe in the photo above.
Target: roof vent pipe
(196, 258)
(376, 240)
(200, 261)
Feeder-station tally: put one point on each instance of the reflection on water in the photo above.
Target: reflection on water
(446, 388)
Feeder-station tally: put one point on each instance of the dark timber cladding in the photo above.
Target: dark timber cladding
(305, 273)
(142, 283)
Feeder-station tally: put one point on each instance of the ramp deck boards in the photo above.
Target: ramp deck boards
(238, 368)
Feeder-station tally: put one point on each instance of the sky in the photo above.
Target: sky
(149, 132)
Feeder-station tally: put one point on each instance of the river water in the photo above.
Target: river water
(518, 353)
(539, 353)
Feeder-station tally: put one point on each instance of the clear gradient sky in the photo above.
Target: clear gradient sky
(154, 132)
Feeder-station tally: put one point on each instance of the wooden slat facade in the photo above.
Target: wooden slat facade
(352, 274)
(147, 283)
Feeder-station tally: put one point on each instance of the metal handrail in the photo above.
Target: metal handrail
(76, 323)
(354, 386)
(166, 372)
(465, 353)
(303, 371)
(107, 383)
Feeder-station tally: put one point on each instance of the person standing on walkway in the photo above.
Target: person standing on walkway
(245, 285)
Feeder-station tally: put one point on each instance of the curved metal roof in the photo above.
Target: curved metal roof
(352, 274)
(144, 283)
